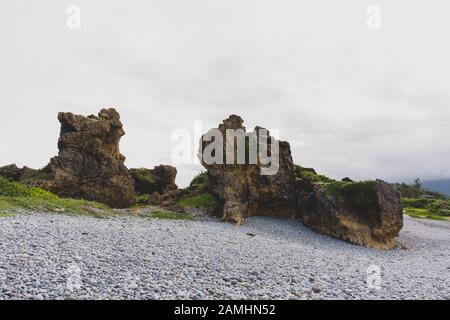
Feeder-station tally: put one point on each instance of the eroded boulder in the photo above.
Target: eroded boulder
(160, 179)
(365, 213)
(89, 164)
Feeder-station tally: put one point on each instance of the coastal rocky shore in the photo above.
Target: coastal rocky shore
(89, 166)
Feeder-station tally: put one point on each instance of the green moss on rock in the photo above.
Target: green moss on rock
(16, 197)
(361, 195)
(203, 200)
(310, 174)
(199, 183)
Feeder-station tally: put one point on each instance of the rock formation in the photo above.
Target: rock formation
(160, 179)
(241, 187)
(25, 175)
(364, 213)
(89, 164)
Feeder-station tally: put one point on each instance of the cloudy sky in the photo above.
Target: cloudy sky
(351, 101)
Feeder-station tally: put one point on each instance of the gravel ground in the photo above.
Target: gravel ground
(48, 256)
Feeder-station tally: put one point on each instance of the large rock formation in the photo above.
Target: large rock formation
(89, 164)
(242, 188)
(363, 213)
(160, 179)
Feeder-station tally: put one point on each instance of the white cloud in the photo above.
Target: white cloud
(352, 102)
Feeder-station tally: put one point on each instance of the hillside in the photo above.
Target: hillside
(442, 186)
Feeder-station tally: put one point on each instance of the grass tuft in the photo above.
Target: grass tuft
(436, 209)
(171, 215)
(15, 197)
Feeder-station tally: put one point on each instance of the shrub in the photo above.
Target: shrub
(14, 197)
(12, 189)
(310, 174)
(204, 200)
(200, 182)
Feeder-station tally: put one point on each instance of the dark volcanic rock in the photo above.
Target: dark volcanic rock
(241, 187)
(89, 164)
(366, 213)
(159, 179)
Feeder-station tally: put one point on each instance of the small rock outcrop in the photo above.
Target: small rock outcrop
(242, 188)
(12, 172)
(160, 179)
(366, 213)
(26, 175)
(89, 164)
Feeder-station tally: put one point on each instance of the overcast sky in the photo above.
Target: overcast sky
(351, 101)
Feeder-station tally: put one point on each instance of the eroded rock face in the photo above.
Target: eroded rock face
(160, 179)
(241, 187)
(89, 164)
(364, 213)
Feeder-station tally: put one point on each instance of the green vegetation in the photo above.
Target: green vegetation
(171, 215)
(12, 189)
(5, 215)
(438, 209)
(204, 200)
(423, 213)
(16, 197)
(310, 174)
(361, 195)
(416, 190)
(199, 183)
(35, 175)
(144, 175)
(421, 203)
(142, 199)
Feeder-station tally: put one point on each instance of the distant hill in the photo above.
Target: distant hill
(442, 186)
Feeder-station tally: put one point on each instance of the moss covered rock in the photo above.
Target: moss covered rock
(160, 179)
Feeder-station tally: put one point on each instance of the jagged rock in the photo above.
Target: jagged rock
(243, 190)
(365, 213)
(347, 179)
(89, 164)
(160, 179)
